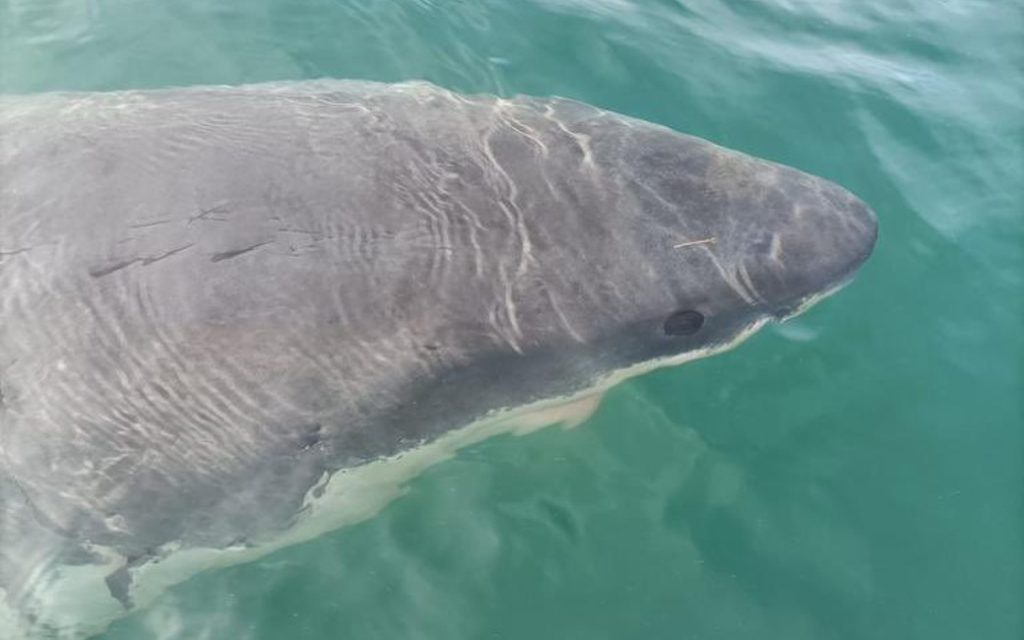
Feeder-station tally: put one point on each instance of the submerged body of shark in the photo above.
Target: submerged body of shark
(232, 319)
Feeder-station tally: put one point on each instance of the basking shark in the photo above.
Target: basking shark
(235, 318)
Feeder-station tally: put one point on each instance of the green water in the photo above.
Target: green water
(856, 473)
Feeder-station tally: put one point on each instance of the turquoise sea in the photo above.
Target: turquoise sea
(857, 473)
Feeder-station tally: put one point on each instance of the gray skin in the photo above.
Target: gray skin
(210, 297)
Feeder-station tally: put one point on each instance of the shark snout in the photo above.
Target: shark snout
(823, 234)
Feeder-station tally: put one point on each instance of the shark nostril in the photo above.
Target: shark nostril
(684, 323)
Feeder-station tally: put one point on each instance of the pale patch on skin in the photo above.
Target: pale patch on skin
(571, 414)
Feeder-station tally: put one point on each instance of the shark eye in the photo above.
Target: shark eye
(683, 323)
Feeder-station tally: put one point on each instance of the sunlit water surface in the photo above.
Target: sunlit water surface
(856, 473)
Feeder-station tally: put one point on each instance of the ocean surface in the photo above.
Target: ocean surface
(857, 473)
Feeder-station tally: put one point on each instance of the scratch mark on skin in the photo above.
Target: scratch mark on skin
(302, 231)
(143, 225)
(748, 283)
(14, 252)
(562, 318)
(106, 271)
(504, 110)
(205, 214)
(149, 261)
(775, 250)
(729, 279)
(517, 223)
(582, 140)
(227, 255)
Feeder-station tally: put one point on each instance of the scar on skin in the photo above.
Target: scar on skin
(694, 243)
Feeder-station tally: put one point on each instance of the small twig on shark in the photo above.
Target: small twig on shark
(694, 243)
